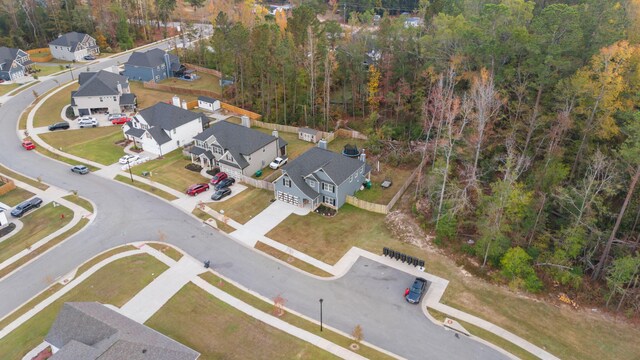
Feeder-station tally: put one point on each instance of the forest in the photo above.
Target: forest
(521, 115)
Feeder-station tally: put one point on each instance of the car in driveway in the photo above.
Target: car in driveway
(225, 183)
(277, 163)
(26, 206)
(80, 169)
(87, 121)
(221, 194)
(416, 291)
(219, 177)
(196, 189)
(119, 119)
(59, 126)
(128, 159)
(28, 145)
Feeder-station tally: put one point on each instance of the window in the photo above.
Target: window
(362, 170)
(327, 187)
(114, 98)
(286, 182)
(329, 200)
(174, 131)
(351, 178)
(312, 183)
(101, 99)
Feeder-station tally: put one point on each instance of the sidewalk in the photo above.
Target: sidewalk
(266, 220)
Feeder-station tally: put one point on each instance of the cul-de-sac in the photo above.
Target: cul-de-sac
(319, 179)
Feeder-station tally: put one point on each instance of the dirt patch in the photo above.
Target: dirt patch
(404, 227)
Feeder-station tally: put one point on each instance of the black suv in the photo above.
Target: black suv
(25, 206)
(59, 126)
(417, 291)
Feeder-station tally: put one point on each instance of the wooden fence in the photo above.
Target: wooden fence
(351, 134)
(180, 90)
(204, 70)
(237, 110)
(379, 208)
(7, 185)
(261, 184)
(40, 55)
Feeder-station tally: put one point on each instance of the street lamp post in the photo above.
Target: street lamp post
(321, 314)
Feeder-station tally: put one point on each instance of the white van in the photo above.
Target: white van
(87, 121)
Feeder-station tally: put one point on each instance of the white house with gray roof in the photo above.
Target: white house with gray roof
(92, 331)
(162, 128)
(102, 92)
(321, 177)
(236, 149)
(73, 46)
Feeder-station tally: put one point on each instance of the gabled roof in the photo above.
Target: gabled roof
(236, 139)
(135, 132)
(102, 83)
(70, 39)
(7, 57)
(306, 130)
(207, 99)
(91, 331)
(152, 58)
(167, 117)
(127, 99)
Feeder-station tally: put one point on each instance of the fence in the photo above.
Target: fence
(329, 136)
(261, 184)
(351, 134)
(379, 208)
(204, 70)
(7, 185)
(237, 110)
(180, 90)
(40, 55)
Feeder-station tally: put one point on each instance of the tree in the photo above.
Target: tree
(516, 266)
(623, 274)
(196, 4)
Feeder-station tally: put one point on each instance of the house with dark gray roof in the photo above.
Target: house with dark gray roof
(321, 177)
(102, 92)
(163, 127)
(92, 331)
(236, 149)
(152, 65)
(73, 46)
(14, 63)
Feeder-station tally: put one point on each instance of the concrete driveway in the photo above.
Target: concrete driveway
(262, 223)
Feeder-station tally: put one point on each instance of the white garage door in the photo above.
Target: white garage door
(288, 198)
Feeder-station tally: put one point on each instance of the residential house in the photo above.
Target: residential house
(307, 134)
(321, 177)
(73, 46)
(92, 331)
(102, 92)
(14, 63)
(153, 65)
(208, 103)
(163, 127)
(236, 149)
(412, 22)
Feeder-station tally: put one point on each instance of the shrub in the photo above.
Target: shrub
(193, 167)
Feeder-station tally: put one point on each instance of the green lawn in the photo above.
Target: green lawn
(64, 159)
(24, 179)
(23, 87)
(149, 97)
(377, 194)
(7, 88)
(170, 171)
(219, 331)
(79, 201)
(96, 144)
(205, 82)
(50, 110)
(114, 284)
(146, 187)
(46, 70)
(37, 224)
(245, 205)
(291, 260)
(167, 250)
(15, 196)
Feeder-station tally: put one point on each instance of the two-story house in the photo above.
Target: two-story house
(102, 92)
(73, 46)
(162, 128)
(321, 177)
(14, 63)
(153, 65)
(236, 149)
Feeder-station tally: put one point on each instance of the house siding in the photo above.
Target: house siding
(143, 73)
(293, 191)
(183, 135)
(350, 187)
(93, 102)
(64, 53)
(261, 159)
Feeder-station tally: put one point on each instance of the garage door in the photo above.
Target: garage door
(288, 198)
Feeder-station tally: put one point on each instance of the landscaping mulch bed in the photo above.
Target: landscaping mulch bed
(7, 229)
(193, 167)
(326, 211)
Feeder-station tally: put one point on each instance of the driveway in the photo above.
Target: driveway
(262, 223)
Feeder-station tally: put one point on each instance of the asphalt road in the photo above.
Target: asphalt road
(369, 295)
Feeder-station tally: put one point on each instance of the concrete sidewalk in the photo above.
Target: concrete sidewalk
(266, 220)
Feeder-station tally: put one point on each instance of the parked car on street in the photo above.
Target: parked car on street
(26, 206)
(87, 121)
(219, 177)
(128, 159)
(59, 126)
(89, 57)
(28, 145)
(277, 163)
(225, 183)
(416, 291)
(80, 169)
(220, 194)
(196, 189)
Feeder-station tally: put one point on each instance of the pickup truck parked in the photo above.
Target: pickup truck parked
(278, 163)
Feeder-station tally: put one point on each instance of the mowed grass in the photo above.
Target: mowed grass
(5, 89)
(80, 202)
(24, 179)
(205, 82)
(271, 251)
(170, 171)
(15, 196)
(46, 70)
(379, 195)
(114, 284)
(37, 224)
(146, 187)
(95, 144)
(245, 205)
(218, 331)
(49, 111)
(149, 97)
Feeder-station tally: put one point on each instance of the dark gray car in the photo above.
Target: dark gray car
(25, 206)
(416, 291)
(59, 126)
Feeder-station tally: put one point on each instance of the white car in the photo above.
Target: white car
(277, 163)
(87, 121)
(128, 159)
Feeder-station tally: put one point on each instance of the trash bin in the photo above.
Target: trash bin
(258, 173)
(145, 173)
(367, 184)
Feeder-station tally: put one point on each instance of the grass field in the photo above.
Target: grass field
(219, 331)
(95, 144)
(5, 89)
(135, 273)
(37, 225)
(80, 202)
(167, 250)
(379, 195)
(15, 196)
(149, 97)
(24, 179)
(49, 112)
(245, 205)
(170, 171)
(146, 187)
(205, 82)
(46, 70)
(291, 260)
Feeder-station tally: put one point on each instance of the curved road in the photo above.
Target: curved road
(370, 294)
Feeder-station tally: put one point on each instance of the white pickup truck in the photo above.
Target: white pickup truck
(277, 163)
